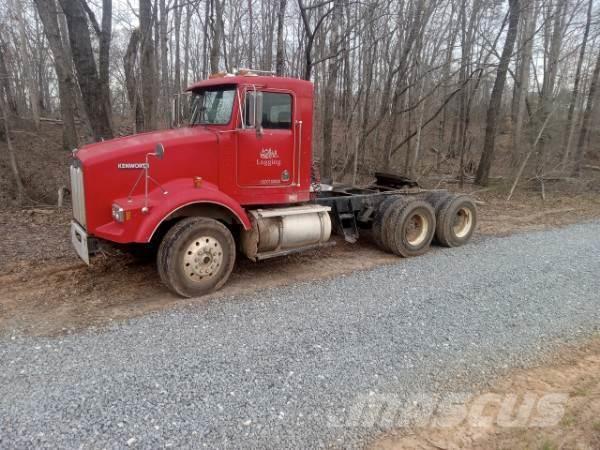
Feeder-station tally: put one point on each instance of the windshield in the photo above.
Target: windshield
(212, 106)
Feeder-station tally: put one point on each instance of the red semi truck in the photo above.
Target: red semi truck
(240, 178)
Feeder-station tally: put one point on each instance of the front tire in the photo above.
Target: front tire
(196, 256)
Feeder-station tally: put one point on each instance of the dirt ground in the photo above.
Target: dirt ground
(574, 372)
(46, 290)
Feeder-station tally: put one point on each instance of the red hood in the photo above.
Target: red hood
(189, 152)
(140, 144)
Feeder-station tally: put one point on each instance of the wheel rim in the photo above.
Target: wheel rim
(463, 221)
(417, 229)
(202, 258)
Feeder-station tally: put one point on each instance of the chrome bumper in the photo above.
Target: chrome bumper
(79, 239)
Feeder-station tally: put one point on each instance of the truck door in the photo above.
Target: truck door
(267, 158)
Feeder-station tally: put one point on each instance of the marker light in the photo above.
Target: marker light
(118, 213)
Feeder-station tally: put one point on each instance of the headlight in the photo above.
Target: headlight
(118, 213)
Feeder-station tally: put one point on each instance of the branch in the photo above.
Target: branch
(92, 17)
(432, 118)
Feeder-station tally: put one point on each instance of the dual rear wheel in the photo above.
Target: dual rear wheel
(406, 226)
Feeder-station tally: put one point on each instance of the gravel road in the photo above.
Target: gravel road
(286, 367)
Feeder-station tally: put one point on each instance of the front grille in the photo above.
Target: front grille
(78, 194)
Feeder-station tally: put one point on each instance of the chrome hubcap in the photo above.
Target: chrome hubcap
(202, 258)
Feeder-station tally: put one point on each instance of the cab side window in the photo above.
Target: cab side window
(277, 110)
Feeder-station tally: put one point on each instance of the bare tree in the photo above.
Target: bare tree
(6, 88)
(553, 37)
(103, 34)
(587, 119)
(217, 34)
(147, 65)
(280, 57)
(14, 166)
(570, 127)
(329, 94)
(383, 73)
(129, 63)
(17, 8)
(164, 59)
(48, 13)
(491, 130)
(92, 90)
(522, 81)
(311, 32)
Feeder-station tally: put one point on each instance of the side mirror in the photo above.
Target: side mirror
(258, 111)
(159, 151)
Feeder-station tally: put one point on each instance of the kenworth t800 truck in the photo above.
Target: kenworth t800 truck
(239, 178)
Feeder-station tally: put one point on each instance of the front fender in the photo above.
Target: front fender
(181, 193)
(173, 196)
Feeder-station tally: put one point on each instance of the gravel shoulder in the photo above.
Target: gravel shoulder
(286, 367)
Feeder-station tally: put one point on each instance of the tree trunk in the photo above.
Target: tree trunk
(104, 54)
(34, 97)
(522, 86)
(587, 120)
(310, 39)
(205, 55)
(250, 35)
(66, 84)
(414, 160)
(186, 45)
(570, 128)
(131, 81)
(147, 65)
(87, 75)
(551, 62)
(485, 164)
(14, 166)
(177, 68)
(5, 85)
(216, 36)
(164, 61)
(280, 57)
(329, 94)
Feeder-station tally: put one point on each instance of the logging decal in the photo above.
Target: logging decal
(269, 157)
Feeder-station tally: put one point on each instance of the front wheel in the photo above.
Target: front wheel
(196, 256)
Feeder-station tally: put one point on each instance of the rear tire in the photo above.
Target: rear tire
(437, 198)
(411, 229)
(196, 256)
(456, 221)
(379, 220)
(393, 211)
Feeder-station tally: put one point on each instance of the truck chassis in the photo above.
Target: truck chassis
(353, 208)
(401, 217)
